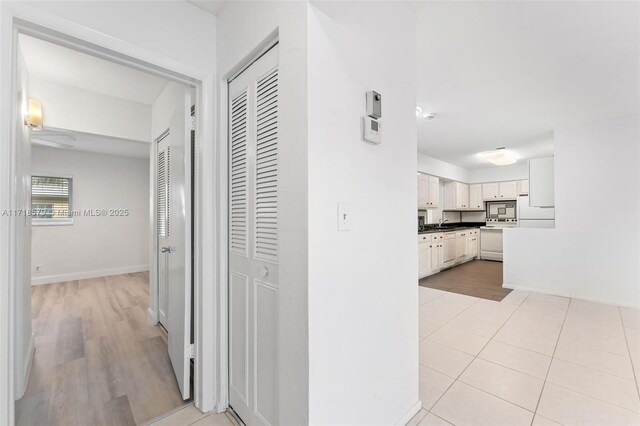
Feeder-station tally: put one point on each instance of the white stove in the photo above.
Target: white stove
(501, 223)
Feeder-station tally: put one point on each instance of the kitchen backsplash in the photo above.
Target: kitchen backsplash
(453, 217)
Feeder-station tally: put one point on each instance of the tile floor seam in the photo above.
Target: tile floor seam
(510, 368)
(429, 301)
(597, 349)
(626, 339)
(435, 415)
(457, 379)
(552, 357)
(440, 372)
(592, 397)
(520, 347)
(596, 369)
(495, 396)
(446, 322)
(204, 416)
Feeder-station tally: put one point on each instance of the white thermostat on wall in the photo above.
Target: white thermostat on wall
(371, 130)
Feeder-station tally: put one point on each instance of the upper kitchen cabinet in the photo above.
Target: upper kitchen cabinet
(456, 196)
(500, 191)
(541, 182)
(428, 191)
(475, 196)
(508, 190)
(490, 191)
(523, 187)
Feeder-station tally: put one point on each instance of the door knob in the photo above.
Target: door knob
(264, 272)
(166, 250)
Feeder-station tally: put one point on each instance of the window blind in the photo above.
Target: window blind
(51, 197)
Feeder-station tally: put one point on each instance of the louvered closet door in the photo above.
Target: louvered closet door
(253, 242)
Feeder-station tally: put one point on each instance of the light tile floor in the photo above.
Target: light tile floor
(189, 415)
(531, 359)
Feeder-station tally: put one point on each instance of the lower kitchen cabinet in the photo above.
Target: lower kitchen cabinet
(430, 254)
(461, 246)
(473, 239)
(438, 251)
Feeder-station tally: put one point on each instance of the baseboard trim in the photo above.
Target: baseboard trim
(88, 274)
(27, 367)
(572, 296)
(409, 414)
(152, 316)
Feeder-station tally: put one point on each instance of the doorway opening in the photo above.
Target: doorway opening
(107, 242)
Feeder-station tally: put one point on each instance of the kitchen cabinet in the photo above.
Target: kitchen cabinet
(423, 191)
(424, 255)
(456, 196)
(428, 191)
(461, 246)
(472, 243)
(523, 187)
(437, 253)
(500, 191)
(508, 190)
(430, 254)
(490, 191)
(541, 180)
(475, 196)
(449, 250)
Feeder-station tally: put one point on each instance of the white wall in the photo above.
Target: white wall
(171, 97)
(516, 171)
(442, 169)
(71, 108)
(180, 31)
(94, 246)
(363, 301)
(585, 257)
(242, 28)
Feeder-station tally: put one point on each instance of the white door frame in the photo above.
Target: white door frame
(210, 191)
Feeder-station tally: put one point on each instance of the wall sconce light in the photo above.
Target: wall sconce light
(33, 117)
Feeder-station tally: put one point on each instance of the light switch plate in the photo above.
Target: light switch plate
(344, 217)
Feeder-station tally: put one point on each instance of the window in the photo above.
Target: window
(51, 200)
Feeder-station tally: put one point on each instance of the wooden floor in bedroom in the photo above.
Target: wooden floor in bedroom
(478, 278)
(97, 359)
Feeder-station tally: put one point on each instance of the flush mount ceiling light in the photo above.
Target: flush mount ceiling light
(499, 157)
(33, 117)
(425, 115)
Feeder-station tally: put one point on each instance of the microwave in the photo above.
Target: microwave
(501, 210)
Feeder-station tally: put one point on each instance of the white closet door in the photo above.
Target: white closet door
(253, 242)
(174, 240)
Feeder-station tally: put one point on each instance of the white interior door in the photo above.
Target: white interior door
(253, 242)
(174, 239)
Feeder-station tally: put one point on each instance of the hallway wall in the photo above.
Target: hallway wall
(576, 259)
(94, 246)
(363, 297)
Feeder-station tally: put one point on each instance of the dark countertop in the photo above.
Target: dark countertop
(452, 227)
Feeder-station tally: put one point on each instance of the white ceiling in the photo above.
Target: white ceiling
(54, 63)
(509, 73)
(89, 142)
(211, 6)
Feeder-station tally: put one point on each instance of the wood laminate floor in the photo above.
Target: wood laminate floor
(97, 359)
(478, 278)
